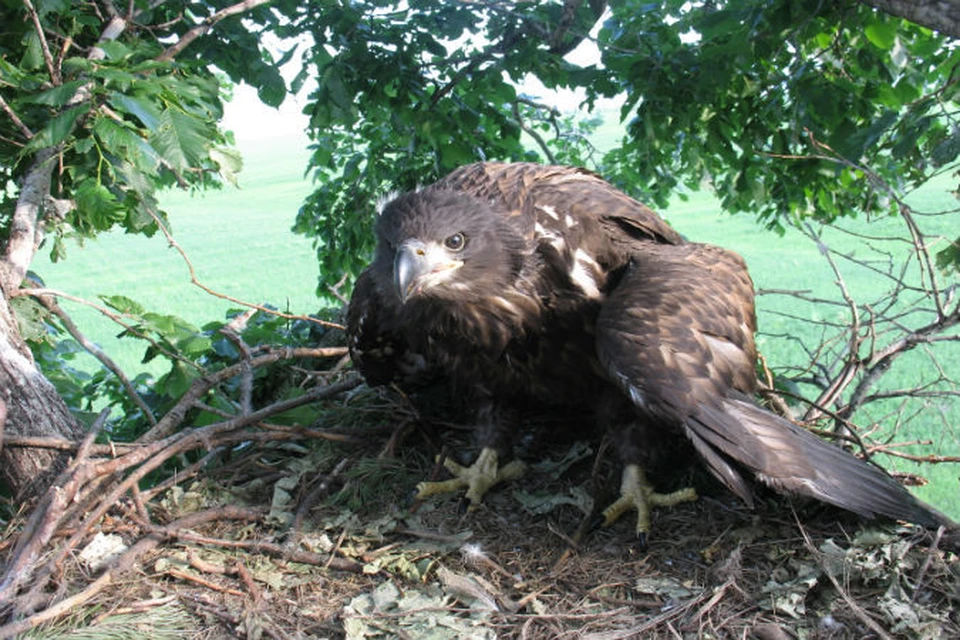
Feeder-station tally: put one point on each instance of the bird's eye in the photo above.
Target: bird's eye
(456, 242)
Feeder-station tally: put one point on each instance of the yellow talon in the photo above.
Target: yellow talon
(477, 478)
(637, 493)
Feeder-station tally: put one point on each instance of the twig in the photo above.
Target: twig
(203, 582)
(318, 492)
(39, 292)
(174, 417)
(195, 280)
(122, 565)
(918, 582)
(274, 550)
(533, 133)
(851, 603)
(24, 129)
(3, 422)
(44, 46)
(172, 51)
(232, 332)
(98, 353)
(39, 529)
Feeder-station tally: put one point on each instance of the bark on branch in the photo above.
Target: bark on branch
(939, 15)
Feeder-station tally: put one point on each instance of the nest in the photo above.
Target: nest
(284, 532)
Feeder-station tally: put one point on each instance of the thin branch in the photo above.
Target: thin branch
(24, 129)
(123, 564)
(533, 133)
(115, 317)
(855, 608)
(98, 353)
(852, 363)
(41, 36)
(174, 50)
(42, 524)
(195, 280)
(199, 388)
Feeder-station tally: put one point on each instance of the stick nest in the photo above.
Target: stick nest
(245, 529)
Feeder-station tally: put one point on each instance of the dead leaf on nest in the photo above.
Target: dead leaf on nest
(546, 501)
(788, 596)
(102, 550)
(556, 468)
(399, 564)
(386, 612)
(908, 617)
(179, 502)
(670, 590)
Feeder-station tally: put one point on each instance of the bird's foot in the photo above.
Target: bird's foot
(637, 493)
(477, 478)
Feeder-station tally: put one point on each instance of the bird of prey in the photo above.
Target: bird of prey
(528, 285)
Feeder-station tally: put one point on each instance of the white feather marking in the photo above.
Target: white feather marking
(581, 272)
(555, 240)
(569, 221)
(723, 348)
(574, 177)
(507, 305)
(636, 396)
(386, 199)
(550, 211)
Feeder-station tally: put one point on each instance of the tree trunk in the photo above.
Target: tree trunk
(939, 15)
(33, 408)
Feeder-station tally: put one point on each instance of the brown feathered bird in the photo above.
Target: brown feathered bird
(526, 285)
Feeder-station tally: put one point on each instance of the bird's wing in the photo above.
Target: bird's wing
(676, 334)
(567, 196)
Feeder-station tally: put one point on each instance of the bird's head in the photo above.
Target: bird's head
(444, 244)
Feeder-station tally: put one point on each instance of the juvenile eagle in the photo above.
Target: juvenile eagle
(527, 285)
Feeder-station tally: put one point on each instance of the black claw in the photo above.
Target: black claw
(642, 540)
(597, 521)
(464, 505)
(412, 498)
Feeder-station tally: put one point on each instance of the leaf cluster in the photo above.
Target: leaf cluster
(777, 106)
(124, 116)
(407, 92)
(179, 354)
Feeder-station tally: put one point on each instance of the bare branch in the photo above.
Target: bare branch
(196, 282)
(41, 36)
(99, 354)
(24, 129)
(241, 7)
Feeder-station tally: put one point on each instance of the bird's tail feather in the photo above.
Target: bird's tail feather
(788, 458)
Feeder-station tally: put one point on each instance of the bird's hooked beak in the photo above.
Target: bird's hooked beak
(420, 265)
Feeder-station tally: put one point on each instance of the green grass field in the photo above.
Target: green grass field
(240, 244)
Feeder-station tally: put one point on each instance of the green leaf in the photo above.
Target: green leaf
(947, 150)
(270, 87)
(948, 260)
(181, 139)
(178, 380)
(58, 129)
(138, 106)
(881, 34)
(97, 206)
(194, 345)
(58, 96)
(32, 57)
(123, 304)
(31, 318)
(229, 163)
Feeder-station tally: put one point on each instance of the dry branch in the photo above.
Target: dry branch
(123, 564)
